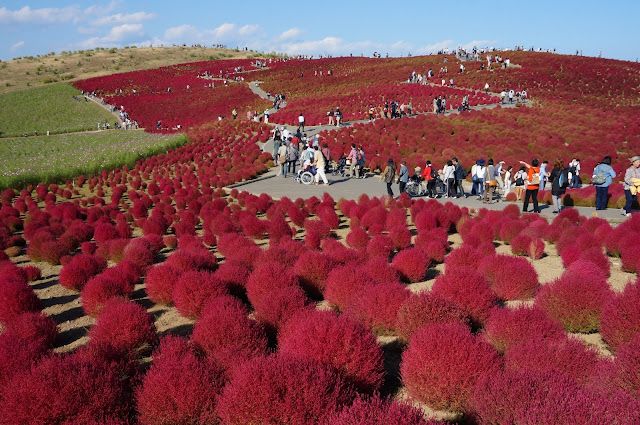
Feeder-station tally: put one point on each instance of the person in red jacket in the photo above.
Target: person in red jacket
(427, 175)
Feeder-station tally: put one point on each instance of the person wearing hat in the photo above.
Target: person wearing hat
(631, 177)
(389, 175)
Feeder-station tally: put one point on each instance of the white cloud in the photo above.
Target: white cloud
(16, 46)
(120, 19)
(249, 30)
(224, 34)
(291, 33)
(432, 48)
(116, 36)
(27, 15)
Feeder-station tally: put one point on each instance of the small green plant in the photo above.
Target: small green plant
(112, 50)
(49, 80)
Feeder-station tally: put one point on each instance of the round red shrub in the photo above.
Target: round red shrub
(358, 238)
(312, 271)
(33, 273)
(412, 264)
(536, 249)
(281, 389)
(64, 387)
(266, 278)
(234, 275)
(190, 259)
(401, 237)
(442, 364)
(193, 289)
(339, 253)
(627, 366)
(105, 231)
(520, 244)
(159, 283)
(463, 257)
(426, 308)
(469, 290)
(280, 305)
(507, 327)
(80, 269)
(278, 229)
(123, 326)
(378, 411)
(98, 291)
(576, 300)
(227, 335)
(511, 278)
(345, 283)
(381, 271)
(181, 390)
(569, 355)
(621, 316)
(380, 246)
(337, 341)
(378, 306)
(140, 253)
(18, 354)
(52, 251)
(33, 327)
(16, 298)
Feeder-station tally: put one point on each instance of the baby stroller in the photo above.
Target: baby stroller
(340, 167)
(305, 176)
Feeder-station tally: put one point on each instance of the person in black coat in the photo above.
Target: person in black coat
(559, 183)
(459, 175)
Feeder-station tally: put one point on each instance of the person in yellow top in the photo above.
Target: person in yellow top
(234, 113)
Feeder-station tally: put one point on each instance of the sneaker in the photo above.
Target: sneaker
(628, 214)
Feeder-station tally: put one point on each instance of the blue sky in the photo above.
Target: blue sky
(323, 27)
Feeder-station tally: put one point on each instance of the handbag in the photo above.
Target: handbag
(493, 183)
(535, 179)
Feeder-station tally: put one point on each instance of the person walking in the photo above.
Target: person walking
(292, 157)
(478, 178)
(629, 186)
(403, 176)
(301, 122)
(533, 185)
(448, 177)
(574, 169)
(282, 159)
(319, 161)
(459, 175)
(389, 175)
(353, 158)
(490, 183)
(507, 181)
(602, 177)
(429, 177)
(559, 179)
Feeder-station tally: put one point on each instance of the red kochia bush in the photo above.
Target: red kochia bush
(469, 290)
(426, 308)
(412, 264)
(569, 355)
(52, 252)
(80, 269)
(465, 256)
(338, 341)
(576, 300)
(281, 305)
(123, 326)
(193, 289)
(377, 411)
(627, 366)
(159, 283)
(189, 259)
(181, 389)
(98, 291)
(381, 271)
(344, 283)
(266, 278)
(33, 327)
(16, 297)
(66, 387)
(507, 327)
(357, 238)
(281, 389)
(442, 364)
(312, 271)
(511, 278)
(378, 306)
(621, 316)
(226, 333)
(33, 273)
(17, 354)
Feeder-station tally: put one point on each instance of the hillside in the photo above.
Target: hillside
(19, 74)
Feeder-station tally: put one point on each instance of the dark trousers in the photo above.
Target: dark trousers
(630, 200)
(292, 166)
(602, 197)
(402, 186)
(460, 188)
(389, 190)
(533, 194)
(431, 188)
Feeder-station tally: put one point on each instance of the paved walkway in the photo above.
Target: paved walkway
(343, 187)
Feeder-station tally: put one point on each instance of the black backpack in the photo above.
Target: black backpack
(434, 173)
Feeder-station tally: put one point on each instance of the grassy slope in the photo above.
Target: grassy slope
(55, 159)
(22, 73)
(51, 107)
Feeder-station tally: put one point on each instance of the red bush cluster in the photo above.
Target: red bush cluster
(337, 341)
(621, 316)
(378, 306)
(283, 389)
(442, 364)
(80, 269)
(412, 264)
(193, 289)
(511, 278)
(378, 411)
(159, 283)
